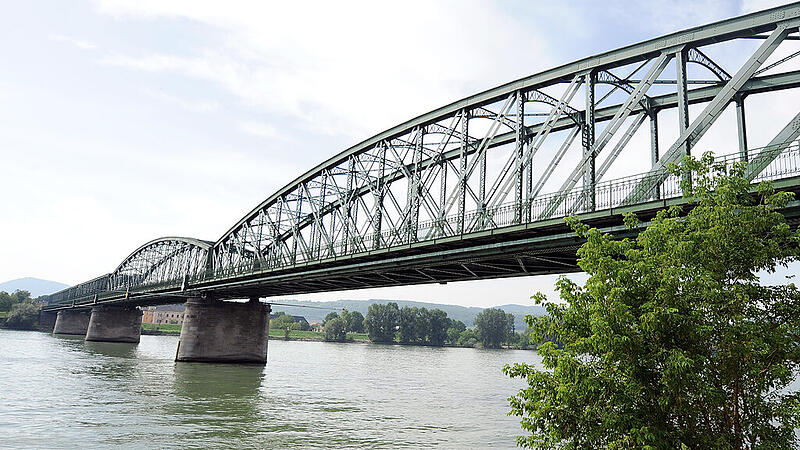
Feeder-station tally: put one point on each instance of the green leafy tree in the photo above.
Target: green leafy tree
(330, 316)
(408, 324)
(454, 329)
(673, 342)
(493, 326)
(422, 326)
(355, 322)
(335, 330)
(23, 316)
(467, 338)
(437, 327)
(6, 301)
(382, 321)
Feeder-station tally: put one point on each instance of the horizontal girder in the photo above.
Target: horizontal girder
(479, 166)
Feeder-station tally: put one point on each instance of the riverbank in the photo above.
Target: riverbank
(299, 335)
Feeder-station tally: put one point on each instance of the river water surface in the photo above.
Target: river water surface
(59, 392)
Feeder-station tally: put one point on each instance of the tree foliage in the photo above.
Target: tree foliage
(23, 316)
(335, 330)
(353, 320)
(673, 342)
(7, 301)
(493, 327)
(381, 321)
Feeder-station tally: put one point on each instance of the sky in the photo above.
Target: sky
(124, 121)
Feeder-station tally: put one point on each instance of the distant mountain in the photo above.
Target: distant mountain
(35, 286)
(316, 311)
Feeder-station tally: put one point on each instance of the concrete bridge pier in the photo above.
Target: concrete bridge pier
(71, 322)
(115, 324)
(224, 332)
(47, 320)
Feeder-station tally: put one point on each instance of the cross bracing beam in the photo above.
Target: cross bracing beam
(449, 173)
(709, 115)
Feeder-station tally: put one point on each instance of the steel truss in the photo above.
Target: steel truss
(481, 164)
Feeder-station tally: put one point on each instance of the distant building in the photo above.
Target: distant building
(163, 314)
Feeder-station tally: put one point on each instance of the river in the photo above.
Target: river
(60, 392)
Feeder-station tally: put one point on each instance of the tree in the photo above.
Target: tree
(7, 301)
(467, 338)
(335, 330)
(422, 325)
(331, 315)
(408, 324)
(673, 342)
(381, 321)
(355, 322)
(437, 327)
(493, 326)
(454, 329)
(23, 316)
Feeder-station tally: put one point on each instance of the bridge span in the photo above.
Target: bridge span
(476, 189)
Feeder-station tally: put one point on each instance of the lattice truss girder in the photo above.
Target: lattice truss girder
(166, 261)
(481, 164)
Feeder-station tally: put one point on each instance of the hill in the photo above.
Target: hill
(35, 286)
(316, 311)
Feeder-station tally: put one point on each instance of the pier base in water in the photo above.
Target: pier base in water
(71, 322)
(115, 324)
(224, 332)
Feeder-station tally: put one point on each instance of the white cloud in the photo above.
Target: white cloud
(201, 106)
(333, 64)
(263, 130)
(80, 43)
(749, 6)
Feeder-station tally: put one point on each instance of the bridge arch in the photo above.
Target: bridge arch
(161, 262)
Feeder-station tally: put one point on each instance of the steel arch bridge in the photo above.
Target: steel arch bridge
(479, 188)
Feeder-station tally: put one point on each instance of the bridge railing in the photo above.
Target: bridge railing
(606, 195)
(783, 162)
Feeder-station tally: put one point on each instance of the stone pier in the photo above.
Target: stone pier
(115, 324)
(71, 322)
(47, 320)
(224, 332)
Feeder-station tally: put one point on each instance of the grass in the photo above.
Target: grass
(315, 335)
(162, 327)
(273, 332)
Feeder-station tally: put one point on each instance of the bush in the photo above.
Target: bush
(335, 330)
(23, 316)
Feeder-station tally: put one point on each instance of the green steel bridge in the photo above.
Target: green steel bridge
(465, 191)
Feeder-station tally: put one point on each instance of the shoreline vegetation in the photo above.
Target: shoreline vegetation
(383, 324)
(153, 329)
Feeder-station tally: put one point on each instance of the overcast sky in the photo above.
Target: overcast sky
(123, 121)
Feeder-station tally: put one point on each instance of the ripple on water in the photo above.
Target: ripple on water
(62, 392)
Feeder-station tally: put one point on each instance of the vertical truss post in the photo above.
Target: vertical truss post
(741, 126)
(482, 189)
(295, 229)
(681, 58)
(520, 143)
(414, 190)
(588, 142)
(462, 175)
(276, 235)
(376, 243)
(654, 156)
(442, 192)
(351, 171)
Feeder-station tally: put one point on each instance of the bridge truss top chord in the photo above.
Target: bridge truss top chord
(480, 164)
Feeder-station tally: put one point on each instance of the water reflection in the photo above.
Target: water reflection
(216, 402)
(111, 349)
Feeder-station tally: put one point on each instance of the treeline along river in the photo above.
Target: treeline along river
(63, 392)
